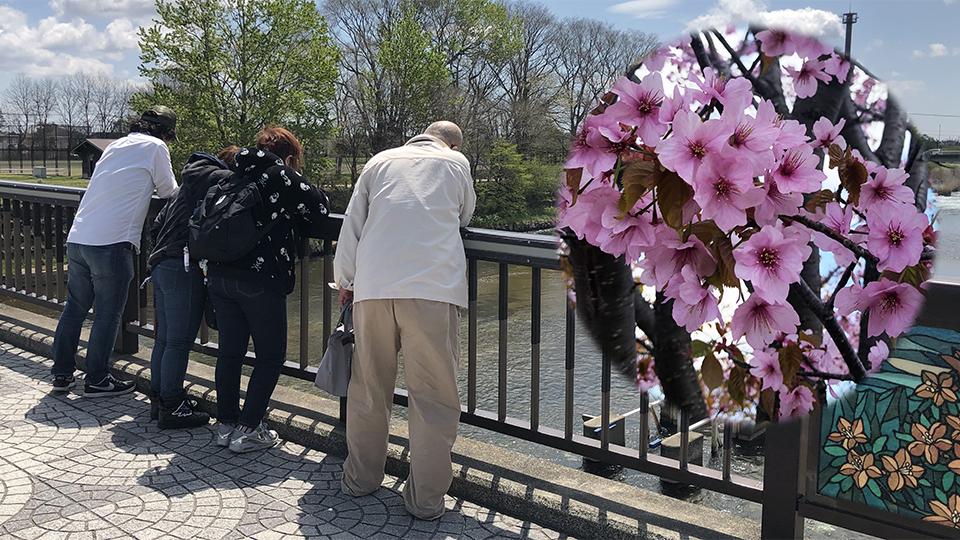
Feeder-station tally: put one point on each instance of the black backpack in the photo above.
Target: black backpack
(223, 227)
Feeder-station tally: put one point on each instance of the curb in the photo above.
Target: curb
(579, 504)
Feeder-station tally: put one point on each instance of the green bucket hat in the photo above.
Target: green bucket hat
(160, 114)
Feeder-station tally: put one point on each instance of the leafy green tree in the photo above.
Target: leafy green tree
(230, 67)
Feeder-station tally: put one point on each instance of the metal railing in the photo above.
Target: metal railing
(35, 220)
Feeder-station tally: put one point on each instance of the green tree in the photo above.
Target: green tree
(230, 67)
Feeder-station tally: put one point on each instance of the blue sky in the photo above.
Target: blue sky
(913, 45)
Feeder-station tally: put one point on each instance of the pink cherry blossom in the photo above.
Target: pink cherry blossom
(838, 220)
(765, 365)
(809, 47)
(681, 101)
(655, 60)
(752, 140)
(693, 303)
(878, 353)
(760, 321)
(805, 79)
(593, 151)
(837, 66)
(896, 238)
(796, 402)
(776, 203)
(731, 93)
(891, 306)
(771, 262)
(885, 192)
(825, 133)
(584, 217)
(724, 190)
(675, 255)
(639, 105)
(692, 141)
(789, 132)
(629, 235)
(776, 42)
(798, 170)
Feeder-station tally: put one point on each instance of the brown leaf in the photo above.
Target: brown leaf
(736, 384)
(954, 360)
(573, 182)
(853, 174)
(766, 62)
(672, 194)
(820, 200)
(768, 398)
(711, 371)
(811, 338)
(790, 358)
(705, 231)
(836, 155)
(638, 178)
(723, 253)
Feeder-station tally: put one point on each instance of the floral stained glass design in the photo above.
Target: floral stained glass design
(894, 444)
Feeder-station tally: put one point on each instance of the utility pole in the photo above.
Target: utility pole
(848, 20)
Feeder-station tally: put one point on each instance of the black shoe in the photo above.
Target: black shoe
(109, 386)
(154, 408)
(63, 382)
(181, 413)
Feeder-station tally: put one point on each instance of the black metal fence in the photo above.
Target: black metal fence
(35, 220)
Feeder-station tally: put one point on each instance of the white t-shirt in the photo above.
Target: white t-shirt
(401, 234)
(115, 204)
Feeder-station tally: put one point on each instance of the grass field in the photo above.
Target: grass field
(70, 181)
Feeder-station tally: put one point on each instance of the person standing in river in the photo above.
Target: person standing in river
(400, 258)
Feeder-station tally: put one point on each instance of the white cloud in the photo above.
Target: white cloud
(938, 49)
(53, 47)
(103, 9)
(895, 74)
(917, 54)
(809, 21)
(948, 2)
(875, 44)
(905, 88)
(644, 9)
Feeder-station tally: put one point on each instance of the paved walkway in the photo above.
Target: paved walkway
(99, 468)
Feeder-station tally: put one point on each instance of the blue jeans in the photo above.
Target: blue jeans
(246, 309)
(179, 298)
(100, 274)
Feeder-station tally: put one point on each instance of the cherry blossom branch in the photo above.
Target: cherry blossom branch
(823, 375)
(846, 242)
(747, 74)
(840, 284)
(830, 324)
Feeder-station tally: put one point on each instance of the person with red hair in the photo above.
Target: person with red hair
(250, 294)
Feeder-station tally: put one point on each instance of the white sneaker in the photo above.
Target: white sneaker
(259, 439)
(224, 434)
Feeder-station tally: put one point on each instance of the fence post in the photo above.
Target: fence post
(129, 342)
(783, 468)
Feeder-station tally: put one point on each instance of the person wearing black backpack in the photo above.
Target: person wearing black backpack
(250, 293)
(179, 293)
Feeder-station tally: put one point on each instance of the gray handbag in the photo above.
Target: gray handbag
(333, 375)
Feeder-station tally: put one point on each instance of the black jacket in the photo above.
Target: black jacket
(287, 196)
(169, 231)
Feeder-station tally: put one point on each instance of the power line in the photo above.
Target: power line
(940, 115)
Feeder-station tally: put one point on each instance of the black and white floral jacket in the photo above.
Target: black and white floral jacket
(287, 197)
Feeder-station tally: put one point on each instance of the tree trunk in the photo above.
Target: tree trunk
(673, 364)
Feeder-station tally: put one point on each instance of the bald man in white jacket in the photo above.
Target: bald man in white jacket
(400, 259)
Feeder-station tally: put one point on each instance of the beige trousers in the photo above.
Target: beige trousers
(428, 332)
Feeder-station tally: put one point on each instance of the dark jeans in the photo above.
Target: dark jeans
(244, 310)
(98, 274)
(179, 299)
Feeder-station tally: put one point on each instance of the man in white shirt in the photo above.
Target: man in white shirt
(400, 259)
(101, 244)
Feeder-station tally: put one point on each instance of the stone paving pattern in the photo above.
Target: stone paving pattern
(75, 468)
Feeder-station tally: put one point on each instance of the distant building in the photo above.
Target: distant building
(89, 151)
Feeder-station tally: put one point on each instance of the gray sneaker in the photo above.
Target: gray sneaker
(224, 434)
(259, 439)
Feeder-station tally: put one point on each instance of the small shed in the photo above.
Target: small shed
(89, 151)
